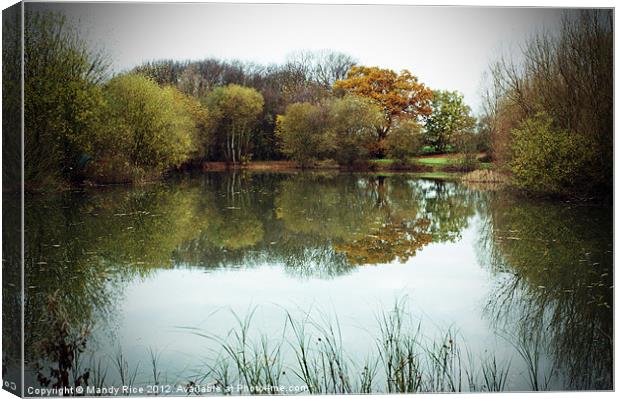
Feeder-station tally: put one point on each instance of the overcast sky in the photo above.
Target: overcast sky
(446, 47)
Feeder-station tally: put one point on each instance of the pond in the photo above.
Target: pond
(317, 282)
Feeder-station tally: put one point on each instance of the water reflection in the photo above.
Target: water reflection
(556, 285)
(551, 264)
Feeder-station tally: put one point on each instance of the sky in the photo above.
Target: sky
(448, 48)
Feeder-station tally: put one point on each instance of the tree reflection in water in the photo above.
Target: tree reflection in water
(552, 262)
(555, 289)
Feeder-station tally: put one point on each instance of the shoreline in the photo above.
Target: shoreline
(423, 164)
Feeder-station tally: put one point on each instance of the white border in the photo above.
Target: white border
(506, 3)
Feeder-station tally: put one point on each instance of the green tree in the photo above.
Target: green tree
(62, 98)
(302, 132)
(235, 111)
(199, 113)
(405, 140)
(149, 129)
(450, 116)
(353, 122)
(342, 128)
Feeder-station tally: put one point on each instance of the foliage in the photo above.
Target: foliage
(547, 159)
(466, 162)
(203, 132)
(136, 127)
(149, 129)
(397, 94)
(62, 99)
(405, 141)
(567, 77)
(353, 124)
(235, 111)
(305, 76)
(341, 128)
(302, 132)
(450, 117)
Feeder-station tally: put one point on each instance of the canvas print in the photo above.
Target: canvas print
(235, 199)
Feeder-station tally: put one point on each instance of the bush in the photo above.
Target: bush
(466, 162)
(302, 132)
(486, 158)
(353, 125)
(113, 169)
(405, 140)
(339, 128)
(550, 160)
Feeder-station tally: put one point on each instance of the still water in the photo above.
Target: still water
(172, 271)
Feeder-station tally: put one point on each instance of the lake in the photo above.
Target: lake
(320, 282)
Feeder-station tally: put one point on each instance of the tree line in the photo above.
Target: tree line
(547, 122)
(84, 123)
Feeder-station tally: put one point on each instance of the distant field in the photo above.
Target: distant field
(431, 160)
(437, 163)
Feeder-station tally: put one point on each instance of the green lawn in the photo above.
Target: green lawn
(435, 161)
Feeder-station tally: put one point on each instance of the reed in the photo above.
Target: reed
(311, 352)
(127, 376)
(398, 351)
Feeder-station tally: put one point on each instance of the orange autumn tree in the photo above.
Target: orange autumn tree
(400, 95)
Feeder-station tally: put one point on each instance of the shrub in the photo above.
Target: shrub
(466, 162)
(548, 159)
(302, 132)
(405, 140)
(353, 125)
(486, 158)
(339, 128)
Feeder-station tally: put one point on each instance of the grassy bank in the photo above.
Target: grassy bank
(432, 165)
(438, 162)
